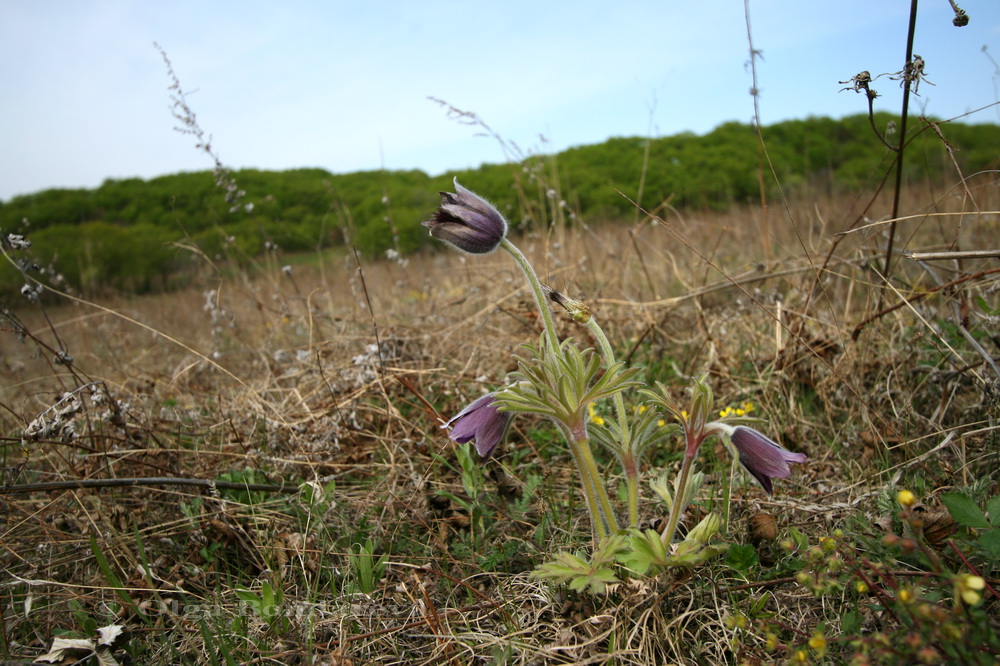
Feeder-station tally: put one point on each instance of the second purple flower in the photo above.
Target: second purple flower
(480, 421)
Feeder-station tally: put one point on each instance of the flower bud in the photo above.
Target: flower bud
(578, 310)
(468, 222)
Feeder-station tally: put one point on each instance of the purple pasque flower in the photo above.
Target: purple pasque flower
(481, 421)
(468, 222)
(764, 458)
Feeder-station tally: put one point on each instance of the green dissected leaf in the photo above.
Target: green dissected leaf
(645, 551)
(518, 399)
(964, 510)
(697, 557)
(567, 397)
(597, 580)
(609, 549)
(577, 573)
(742, 557)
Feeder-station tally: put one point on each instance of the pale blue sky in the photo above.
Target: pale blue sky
(345, 85)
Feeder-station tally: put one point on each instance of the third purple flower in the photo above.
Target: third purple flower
(762, 457)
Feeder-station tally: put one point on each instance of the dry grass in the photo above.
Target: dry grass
(330, 381)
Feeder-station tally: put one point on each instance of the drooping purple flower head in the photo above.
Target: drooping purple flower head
(481, 421)
(762, 457)
(468, 222)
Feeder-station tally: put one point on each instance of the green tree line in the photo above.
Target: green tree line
(144, 235)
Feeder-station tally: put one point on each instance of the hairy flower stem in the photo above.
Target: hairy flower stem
(630, 466)
(601, 515)
(676, 509)
(536, 288)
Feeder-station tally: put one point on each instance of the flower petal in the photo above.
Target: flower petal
(468, 222)
(762, 457)
(481, 421)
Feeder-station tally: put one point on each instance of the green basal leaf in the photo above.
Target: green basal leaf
(742, 557)
(597, 580)
(964, 510)
(645, 551)
(608, 550)
(993, 509)
(578, 573)
(990, 540)
(700, 556)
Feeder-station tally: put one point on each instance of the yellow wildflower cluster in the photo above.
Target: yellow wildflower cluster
(742, 410)
(642, 408)
(594, 416)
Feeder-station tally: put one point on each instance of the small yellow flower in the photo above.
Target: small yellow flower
(906, 595)
(861, 587)
(968, 588)
(684, 414)
(800, 657)
(661, 423)
(771, 642)
(906, 499)
(818, 642)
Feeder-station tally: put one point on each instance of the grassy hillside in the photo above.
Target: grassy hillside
(141, 236)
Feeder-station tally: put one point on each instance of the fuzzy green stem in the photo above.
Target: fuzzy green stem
(590, 490)
(630, 466)
(676, 509)
(590, 468)
(601, 514)
(536, 288)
